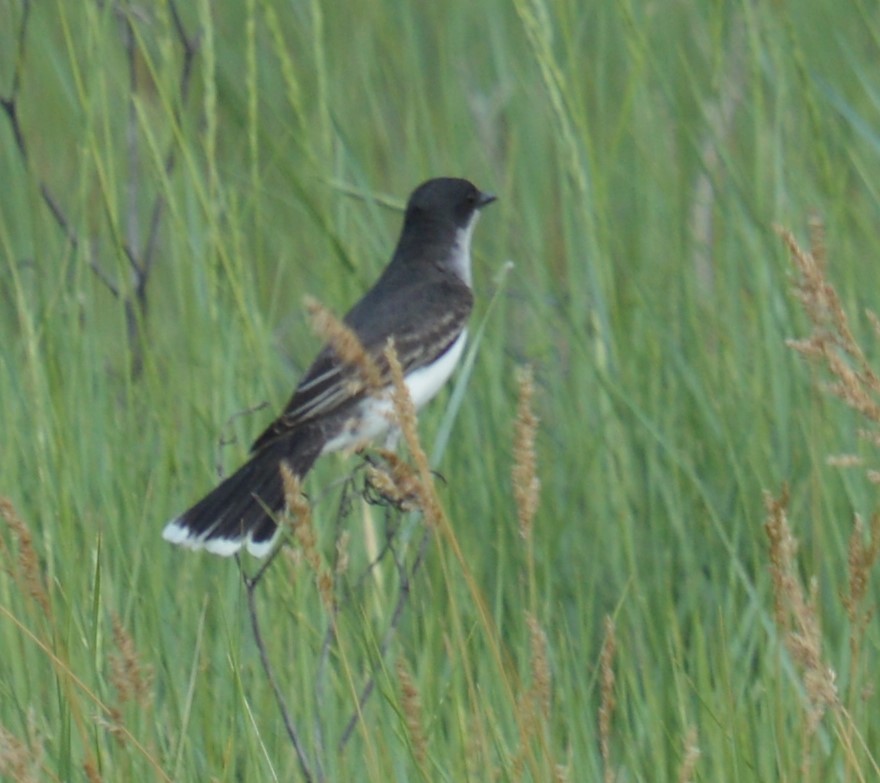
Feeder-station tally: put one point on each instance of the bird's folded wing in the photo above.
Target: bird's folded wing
(330, 384)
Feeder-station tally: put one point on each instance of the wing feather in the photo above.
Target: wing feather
(440, 309)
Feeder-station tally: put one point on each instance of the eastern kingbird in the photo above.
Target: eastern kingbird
(422, 301)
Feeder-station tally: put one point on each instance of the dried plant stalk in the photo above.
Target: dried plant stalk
(540, 665)
(26, 572)
(19, 760)
(411, 705)
(405, 419)
(797, 618)
(132, 679)
(691, 756)
(344, 343)
(608, 701)
(831, 341)
(303, 529)
(526, 484)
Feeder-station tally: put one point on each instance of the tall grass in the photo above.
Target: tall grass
(598, 597)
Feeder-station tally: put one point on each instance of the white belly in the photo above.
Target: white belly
(375, 415)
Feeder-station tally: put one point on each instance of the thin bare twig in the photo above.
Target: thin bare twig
(343, 511)
(393, 624)
(134, 302)
(141, 263)
(9, 104)
(406, 573)
(227, 440)
(190, 49)
(136, 305)
(250, 588)
(10, 108)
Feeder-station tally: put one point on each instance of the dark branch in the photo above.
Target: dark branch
(131, 139)
(9, 104)
(405, 575)
(190, 50)
(10, 108)
(135, 303)
(394, 623)
(250, 588)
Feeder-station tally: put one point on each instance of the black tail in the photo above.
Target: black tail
(242, 509)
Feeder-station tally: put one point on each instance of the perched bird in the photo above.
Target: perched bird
(422, 301)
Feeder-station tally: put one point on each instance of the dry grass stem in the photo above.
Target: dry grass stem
(783, 549)
(797, 616)
(405, 417)
(541, 677)
(396, 481)
(608, 701)
(526, 484)
(533, 705)
(132, 680)
(345, 344)
(91, 772)
(844, 461)
(300, 517)
(342, 556)
(691, 756)
(18, 760)
(561, 773)
(831, 341)
(720, 113)
(27, 573)
(302, 526)
(869, 435)
(832, 345)
(475, 744)
(411, 705)
(861, 559)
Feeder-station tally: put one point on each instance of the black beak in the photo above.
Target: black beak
(485, 199)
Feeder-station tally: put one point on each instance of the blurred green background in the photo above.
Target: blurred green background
(206, 176)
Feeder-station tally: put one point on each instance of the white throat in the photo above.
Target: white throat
(460, 258)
